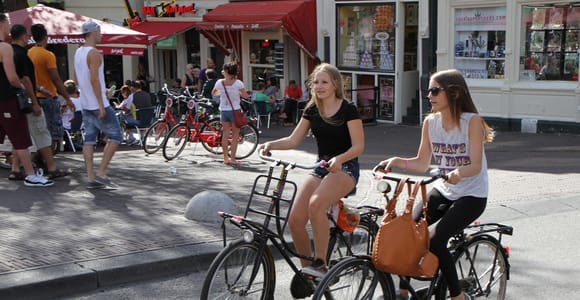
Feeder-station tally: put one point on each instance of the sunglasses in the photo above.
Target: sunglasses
(435, 90)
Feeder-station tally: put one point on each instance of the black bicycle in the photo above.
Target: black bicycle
(480, 259)
(245, 268)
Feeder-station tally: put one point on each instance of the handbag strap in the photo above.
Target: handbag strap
(227, 95)
(418, 185)
(393, 202)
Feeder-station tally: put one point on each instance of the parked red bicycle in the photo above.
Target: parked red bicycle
(198, 126)
(157, 132)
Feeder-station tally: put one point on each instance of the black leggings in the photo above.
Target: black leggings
(454, 216)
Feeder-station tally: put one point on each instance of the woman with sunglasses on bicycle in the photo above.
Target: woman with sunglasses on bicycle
(454, 135)
(337, 128)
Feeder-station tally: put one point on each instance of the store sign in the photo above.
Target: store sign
(236, 26)
(60, 40)
(492, 18)
(170, 9)
(121, 51)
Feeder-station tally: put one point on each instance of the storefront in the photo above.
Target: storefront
(520, 58)
(268, 38)
(377, 50)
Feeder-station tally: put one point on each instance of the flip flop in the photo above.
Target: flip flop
(59, 173)
(13, 175)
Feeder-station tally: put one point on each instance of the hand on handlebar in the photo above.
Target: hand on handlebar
(387, 165)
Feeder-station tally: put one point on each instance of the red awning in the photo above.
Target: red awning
(64, 27)
(158, 30)
(297, 17)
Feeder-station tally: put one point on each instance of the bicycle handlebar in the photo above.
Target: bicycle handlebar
(435, 174)
(291, 164)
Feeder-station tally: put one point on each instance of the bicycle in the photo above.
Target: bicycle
(481, 262)
(245, 267)
(198, 125)
(157, 132)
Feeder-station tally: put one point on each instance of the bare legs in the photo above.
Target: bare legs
(230, 148)
(108, 152)
(312, 202)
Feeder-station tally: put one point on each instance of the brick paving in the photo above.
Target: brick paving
(67, 223)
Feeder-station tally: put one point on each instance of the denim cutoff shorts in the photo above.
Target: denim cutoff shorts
(109, 125)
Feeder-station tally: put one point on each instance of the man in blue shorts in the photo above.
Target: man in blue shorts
(98, 115)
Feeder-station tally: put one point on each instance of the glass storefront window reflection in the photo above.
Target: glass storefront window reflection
(262, 51)
(551, 36)
(366, 37)
(480, 42)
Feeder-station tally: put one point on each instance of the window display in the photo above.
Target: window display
(366, 37)
(480, 42)
(551, 37)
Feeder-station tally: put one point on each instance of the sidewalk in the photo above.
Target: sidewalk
(66, 239)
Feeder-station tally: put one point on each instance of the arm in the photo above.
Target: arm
(420, 163)
(184, 81)
(356, 132)
(290, 142)
(476, 136)
(94, 61)
(244, 93)
(7, 55)
(36, 109)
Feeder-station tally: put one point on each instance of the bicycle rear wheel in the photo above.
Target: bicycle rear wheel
(175, 141)
(248, 141)
(360, 242)
(155, 136)
(211, 136)
(230, 273)
(482, 268)
(355, 278)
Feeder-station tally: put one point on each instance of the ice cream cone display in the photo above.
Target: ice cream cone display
(349, 57)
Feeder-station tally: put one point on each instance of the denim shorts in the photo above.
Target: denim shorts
(109, 125)
(52, 114)
(351, 167)
(227, 116)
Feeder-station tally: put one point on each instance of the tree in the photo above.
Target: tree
(11, 5)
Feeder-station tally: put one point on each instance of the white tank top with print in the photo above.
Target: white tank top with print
(451, 150)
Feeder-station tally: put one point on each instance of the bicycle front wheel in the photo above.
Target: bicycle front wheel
(247, 141)
(355, 278)
(482, 268)
(155, 136)
(359, 242)
(230, 275)
(175, 141)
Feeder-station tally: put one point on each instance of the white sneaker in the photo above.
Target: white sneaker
(37, 180)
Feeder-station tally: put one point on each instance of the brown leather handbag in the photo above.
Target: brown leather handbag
(402, 244)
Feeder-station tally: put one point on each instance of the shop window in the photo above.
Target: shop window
(263, 63)
(480, 42)
(366, 37)
(551, 36)
(192, 44)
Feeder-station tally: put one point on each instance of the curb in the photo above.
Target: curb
(81, 277)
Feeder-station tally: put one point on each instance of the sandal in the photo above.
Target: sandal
(15, 175)
(58, 173)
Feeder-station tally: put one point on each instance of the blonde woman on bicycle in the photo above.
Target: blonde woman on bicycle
(454, 135)
(337, 128)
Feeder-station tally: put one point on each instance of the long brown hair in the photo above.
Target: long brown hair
(336, 78)
(459, 97)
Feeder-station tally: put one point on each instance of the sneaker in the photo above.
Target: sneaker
(317, 269)
(4, 165)
(37, 180)
(95, 185)
(105, 181)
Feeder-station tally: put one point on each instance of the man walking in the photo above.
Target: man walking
(12, 121)
(98, 115)
(36, 120)
(48, 82)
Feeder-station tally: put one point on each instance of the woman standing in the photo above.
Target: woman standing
(337, 127)
(190, 79)
(230, 89)
(453, 134)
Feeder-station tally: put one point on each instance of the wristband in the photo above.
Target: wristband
(406, 165)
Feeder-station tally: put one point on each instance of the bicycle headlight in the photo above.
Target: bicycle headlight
(383, 186)
(248, 236)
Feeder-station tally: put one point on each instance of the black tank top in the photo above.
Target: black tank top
(8, 91)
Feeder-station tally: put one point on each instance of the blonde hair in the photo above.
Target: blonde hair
(336, 79)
